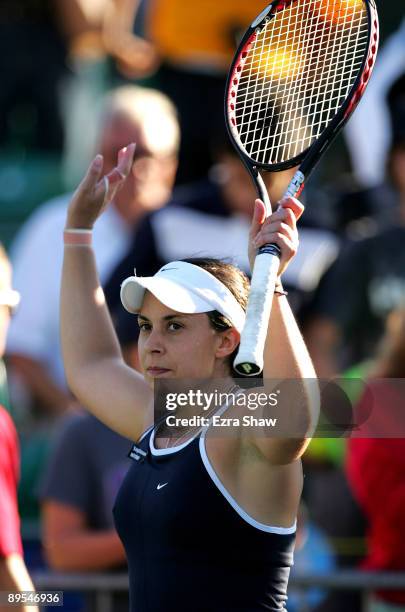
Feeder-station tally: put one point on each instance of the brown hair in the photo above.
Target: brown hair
(234, 279)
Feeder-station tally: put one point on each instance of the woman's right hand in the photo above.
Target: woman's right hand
(96, 191)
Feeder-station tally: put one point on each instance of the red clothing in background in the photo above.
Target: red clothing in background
(376, 473)
(10, 538)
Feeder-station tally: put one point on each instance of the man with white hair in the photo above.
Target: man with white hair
(36, 374)
(131, 113)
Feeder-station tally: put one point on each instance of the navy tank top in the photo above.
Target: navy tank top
(190, 547)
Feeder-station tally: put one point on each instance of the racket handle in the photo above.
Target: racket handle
(296, 185)
(249, 360)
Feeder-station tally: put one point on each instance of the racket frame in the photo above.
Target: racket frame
(249, 361)
(310, 156)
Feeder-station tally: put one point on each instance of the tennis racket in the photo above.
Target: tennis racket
(299, 73)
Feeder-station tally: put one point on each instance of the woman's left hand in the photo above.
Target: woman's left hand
(279, 228)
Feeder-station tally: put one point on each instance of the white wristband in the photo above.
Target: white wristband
(77, 237)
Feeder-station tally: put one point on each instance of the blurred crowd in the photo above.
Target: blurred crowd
(86, 76)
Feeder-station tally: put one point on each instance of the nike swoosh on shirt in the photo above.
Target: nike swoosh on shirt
(161, 486)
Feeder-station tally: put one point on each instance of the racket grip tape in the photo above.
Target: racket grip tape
(249, 360)
(296, 185)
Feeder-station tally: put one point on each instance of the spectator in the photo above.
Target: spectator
(84, 474)
(98, 44)
(375, 465)
(195, 42)
(131, 113)
(369, 149)
(313, 554)
(135, 57)
(336, 514)
(370, 272)
(13, 572)
(364, 211)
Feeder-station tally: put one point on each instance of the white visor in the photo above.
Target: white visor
(185, 288)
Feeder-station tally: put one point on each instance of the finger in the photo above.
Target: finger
(126, 159)
(288, 216)
(93, 174)
(288, 247)
(106, 184)
(285, 215)
(294, 205)
(123, 168)
(259, 216)
(265, 235)
(127, 152)
(115, 176)
(283, 228)
(102, 189)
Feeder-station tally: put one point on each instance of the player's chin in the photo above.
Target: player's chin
(152, 381)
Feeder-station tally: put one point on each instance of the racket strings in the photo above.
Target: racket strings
(299, 71)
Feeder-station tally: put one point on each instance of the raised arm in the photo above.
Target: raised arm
(95, 370)
(136, 57)
(286, 357)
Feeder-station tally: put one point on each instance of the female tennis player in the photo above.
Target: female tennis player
(208, 522)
